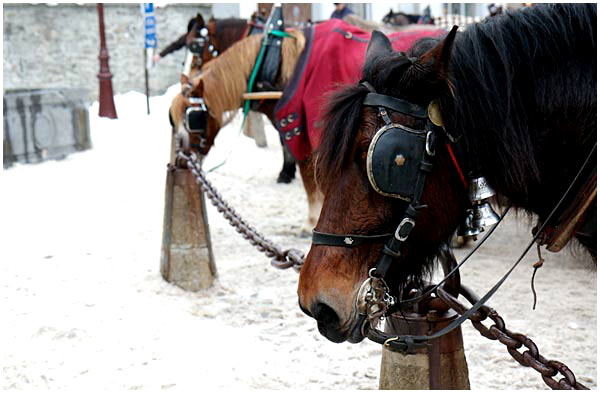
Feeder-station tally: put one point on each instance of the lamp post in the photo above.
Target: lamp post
(107, 104)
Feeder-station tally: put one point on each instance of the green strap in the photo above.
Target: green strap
(280, 33)
(263, 48)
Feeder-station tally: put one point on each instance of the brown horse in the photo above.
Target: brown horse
(222, 84)
(517, 104)
(207, 41)
(210, 40)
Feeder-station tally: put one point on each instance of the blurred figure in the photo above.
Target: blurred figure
(340, 11)
(426, 18)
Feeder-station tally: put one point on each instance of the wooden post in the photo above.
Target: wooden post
(186, 255)
(440, 366)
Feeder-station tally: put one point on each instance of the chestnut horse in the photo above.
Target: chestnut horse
(222, 84)
(517, 99)
(207, 41)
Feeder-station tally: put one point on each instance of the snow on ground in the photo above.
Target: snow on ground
(84, 305)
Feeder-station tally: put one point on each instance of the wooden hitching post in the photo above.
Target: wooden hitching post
(442, 365)
(186, 255)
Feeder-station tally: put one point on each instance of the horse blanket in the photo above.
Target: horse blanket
(333, 55)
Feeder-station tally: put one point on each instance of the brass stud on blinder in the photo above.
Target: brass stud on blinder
(399, 160)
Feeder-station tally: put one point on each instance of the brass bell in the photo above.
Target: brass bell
(466, 227)
(484, 215)
(479, 189)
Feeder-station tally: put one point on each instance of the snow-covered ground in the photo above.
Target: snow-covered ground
(83, 306)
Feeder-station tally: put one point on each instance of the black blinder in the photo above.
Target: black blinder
(196, 117)
(197, 46)
(393, 160)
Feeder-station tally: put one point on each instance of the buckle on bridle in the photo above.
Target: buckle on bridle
(403, 230)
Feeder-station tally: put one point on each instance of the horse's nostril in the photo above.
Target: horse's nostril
(325, 314)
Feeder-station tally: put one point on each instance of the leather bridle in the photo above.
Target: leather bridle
(196, 114)
(393, 242)
(373, 298)
(201, 40)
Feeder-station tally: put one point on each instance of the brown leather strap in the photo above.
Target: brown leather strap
(559, 235)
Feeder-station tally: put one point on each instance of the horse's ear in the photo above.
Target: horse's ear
(197, 88)
(199, 20)
(437, 59)
(212, 27)
(378, 46)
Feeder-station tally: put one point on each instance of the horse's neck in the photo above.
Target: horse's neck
(230, 34)
(227, 76)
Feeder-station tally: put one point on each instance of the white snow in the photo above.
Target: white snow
(83, 305)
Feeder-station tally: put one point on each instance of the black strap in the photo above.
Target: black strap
(269, 69)
(349, 241)
(395, 104)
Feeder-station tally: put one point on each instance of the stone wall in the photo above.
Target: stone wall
(57, 46)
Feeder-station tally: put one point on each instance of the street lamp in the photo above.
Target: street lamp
(107, 104)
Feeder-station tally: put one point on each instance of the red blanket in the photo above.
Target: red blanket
(334, 54)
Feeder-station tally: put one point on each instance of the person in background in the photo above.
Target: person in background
(340, 11)
(180, 42)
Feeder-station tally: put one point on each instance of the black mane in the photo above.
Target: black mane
(515, 77)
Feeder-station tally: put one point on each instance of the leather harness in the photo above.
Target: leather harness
(391, 250)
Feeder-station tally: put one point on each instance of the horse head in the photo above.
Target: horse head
(195, 25)
(388, 17)
(202, 42)
(355, 157)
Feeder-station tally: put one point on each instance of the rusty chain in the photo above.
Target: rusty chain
(530, 357)
(280, 259)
